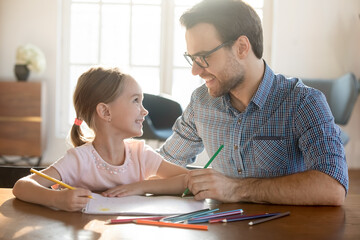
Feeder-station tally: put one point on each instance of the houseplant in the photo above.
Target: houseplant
(29, 58)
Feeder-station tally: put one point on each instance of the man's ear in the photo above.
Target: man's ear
(243, 46)
(103, 111)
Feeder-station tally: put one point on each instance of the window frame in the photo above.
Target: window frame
(166, 60)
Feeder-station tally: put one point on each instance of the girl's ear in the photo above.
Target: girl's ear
(103, 111)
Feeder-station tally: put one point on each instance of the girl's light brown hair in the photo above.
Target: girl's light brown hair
(97, 85)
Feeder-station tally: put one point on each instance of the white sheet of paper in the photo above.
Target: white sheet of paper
(142, 205)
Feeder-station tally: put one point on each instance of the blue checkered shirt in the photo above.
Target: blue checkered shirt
(286, 128)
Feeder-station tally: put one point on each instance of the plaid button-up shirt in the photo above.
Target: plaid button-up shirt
(287, 128)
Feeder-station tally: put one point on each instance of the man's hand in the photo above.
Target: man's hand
(208, 183)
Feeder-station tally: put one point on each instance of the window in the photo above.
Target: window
(141, 37)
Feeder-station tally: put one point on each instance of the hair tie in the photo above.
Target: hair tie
(78, 122)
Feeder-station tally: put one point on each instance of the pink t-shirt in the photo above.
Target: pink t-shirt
(83, 167)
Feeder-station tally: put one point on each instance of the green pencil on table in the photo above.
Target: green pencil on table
(206, 165)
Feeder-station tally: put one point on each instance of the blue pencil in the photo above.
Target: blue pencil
(186, 216)
(269, 218)
(206, 218)
(241, 218)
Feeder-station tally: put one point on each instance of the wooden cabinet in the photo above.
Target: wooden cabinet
(20, 119)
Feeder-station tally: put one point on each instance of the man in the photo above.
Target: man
(281, 143)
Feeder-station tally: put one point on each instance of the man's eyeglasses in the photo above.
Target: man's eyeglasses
(201, 59)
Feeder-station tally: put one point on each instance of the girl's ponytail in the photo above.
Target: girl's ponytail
(76, 136)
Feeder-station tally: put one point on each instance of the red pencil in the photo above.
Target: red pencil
(170, 224)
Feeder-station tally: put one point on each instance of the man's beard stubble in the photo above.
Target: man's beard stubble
(232, 80)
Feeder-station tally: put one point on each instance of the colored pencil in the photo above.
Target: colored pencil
(207, 164)
(269, 218)
(130, 220)
(54, 180)
(242, 217)
(206, 218)
(170, 224)
(186, 216)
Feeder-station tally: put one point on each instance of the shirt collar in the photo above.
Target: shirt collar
(264, 88)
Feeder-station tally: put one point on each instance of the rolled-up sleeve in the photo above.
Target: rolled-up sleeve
(320, 139)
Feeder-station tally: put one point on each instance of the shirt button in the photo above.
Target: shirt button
(239, 121)
(239, 170)
(236, 147)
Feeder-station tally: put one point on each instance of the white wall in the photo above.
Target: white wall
(316, 39)
(311, 39)
(36, 22)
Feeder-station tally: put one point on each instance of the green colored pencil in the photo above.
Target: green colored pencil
(206, 165)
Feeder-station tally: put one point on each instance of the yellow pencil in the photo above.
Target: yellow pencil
(54, 180)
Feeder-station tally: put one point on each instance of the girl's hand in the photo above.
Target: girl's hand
(125, 190)
(72, 200)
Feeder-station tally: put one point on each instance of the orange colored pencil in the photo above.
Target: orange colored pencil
(170, 224)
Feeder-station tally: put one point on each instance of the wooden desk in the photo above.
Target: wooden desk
(21, 220)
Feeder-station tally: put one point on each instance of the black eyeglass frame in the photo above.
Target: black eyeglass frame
(192, 58)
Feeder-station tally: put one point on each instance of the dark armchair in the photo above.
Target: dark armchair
(163, 113)
(341, 94)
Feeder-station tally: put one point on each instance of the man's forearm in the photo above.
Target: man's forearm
(306, 188)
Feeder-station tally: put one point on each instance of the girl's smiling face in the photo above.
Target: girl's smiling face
(127, 111)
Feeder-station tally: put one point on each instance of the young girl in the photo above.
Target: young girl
(110, 103)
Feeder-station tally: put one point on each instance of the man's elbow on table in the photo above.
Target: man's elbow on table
(326, 189)
(338, 196)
